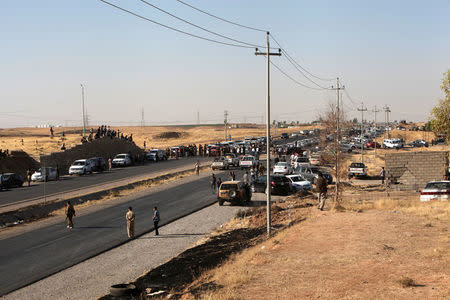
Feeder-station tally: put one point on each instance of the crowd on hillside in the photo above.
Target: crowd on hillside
(105, 131)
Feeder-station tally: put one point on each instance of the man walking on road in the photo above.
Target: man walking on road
(109, 164)
(213, 183)
(156, 219)
(130, 222)
(197, 168)
(70, 213)
(321, 185)
(28, 177)
(382, 175)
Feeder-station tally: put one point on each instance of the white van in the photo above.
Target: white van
(393, 143)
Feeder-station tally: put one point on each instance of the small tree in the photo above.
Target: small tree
(440, 114)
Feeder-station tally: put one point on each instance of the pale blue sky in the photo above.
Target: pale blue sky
(386, 52)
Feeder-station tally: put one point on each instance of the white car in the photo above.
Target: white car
(282, 168)
(81, 167)
(121, 160)
(248, 161)
(299, 183)
(155, 155)
(48, 174)
(436, 190)
(393, 143)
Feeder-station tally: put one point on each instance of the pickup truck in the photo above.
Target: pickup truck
(248, 161)
(220, 163)
(357, 170)
(233, 160)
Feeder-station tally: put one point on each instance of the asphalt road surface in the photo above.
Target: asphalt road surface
(36, 254)
(68, 183)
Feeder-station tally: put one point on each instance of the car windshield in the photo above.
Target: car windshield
(121, 156)
(296, 178)
(281, 164)
(314, 170)
(153, 152)
(229, 156)
(79, 163)
(302, 159)
(357, 165)
(248, 158)
(228, 186)
(218, 159)
(438, 185)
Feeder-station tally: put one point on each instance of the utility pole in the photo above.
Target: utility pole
(337, 137)
(375, 123)
(82, 107)
(142, 118)
(225, 122)
(198, 117)
(268, 54)
(387, 111)
(362, 110)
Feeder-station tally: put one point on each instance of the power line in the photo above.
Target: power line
(290, 77)
(300, 66)
(174, 29)
(350, 98)
(219, 18)
(199, 27)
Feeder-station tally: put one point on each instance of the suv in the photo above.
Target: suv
(310, 173)
(248, 161)
(234, 192)
(155, 155)
(393, 143)
(279, 185)
(123, 160)
(9, 180)
(44, 174)
(81, 167)
(284, 135)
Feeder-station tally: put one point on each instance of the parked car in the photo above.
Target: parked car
(436, 190)
(284, 135)
(343, 147)
(233, 160)
(235, 192)
(121, 160)
(248, 161)
(393, 143)
(81, 167)
(299, 183)
(310, 173)
(418, 143)
(357, 170)
(220, 163)
(373, 144)
(9, 180)
(282, 168)
(314, 160)
(302, 161)
(44, 174)
(99, 164)
(155, 155)
(279, 185)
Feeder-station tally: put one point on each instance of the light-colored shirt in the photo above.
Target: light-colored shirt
(156, 216)
(130, 216)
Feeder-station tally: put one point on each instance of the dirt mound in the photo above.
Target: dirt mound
(18, 162)
(171, 135)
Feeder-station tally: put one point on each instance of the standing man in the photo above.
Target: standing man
(28, 177)
(70, 213)
(197, 168)
(382, 175)
(156, 219)
(130, 222)
(321, 185)
(245, 178)
(213, 183)
(109, 164)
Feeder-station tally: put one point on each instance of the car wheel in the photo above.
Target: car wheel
(220, 202)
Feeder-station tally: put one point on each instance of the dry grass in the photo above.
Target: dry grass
(37, 141)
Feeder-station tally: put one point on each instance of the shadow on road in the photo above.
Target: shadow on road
(173, 235)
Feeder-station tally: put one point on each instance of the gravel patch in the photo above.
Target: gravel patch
(93, 277)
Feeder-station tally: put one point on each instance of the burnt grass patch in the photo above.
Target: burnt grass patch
(180, 271)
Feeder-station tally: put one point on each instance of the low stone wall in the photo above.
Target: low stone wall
(412, 171)
(103, 147)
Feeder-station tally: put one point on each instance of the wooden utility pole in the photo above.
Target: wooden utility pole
(225, 122)
(362, 110)
(337, 138)
(375, 124)
(268, 54)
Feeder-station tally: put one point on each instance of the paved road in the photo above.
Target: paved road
(36, 254)
(68, 183)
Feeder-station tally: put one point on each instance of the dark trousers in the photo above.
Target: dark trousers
(155, 223)
(382, 179)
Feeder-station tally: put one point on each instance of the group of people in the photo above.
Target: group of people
(4, 153)
(130, 218)
(105, 131)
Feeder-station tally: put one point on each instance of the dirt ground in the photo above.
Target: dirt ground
(378, 252)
